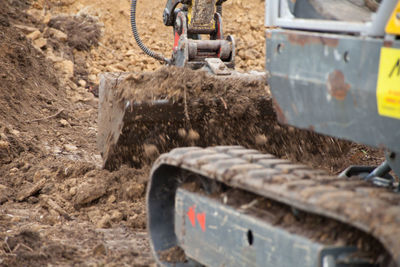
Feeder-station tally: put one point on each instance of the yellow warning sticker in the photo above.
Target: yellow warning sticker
(388, 88)
(393, 25)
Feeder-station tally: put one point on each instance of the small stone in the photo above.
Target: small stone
(73, 191)
(116, 216)
(94, 215)
(182, 133)
(72, 85)
(54, 58)
(104, 222)
(14, 170)
(15, 219)
(57, 34)
(130, 53)
(32, 200)
(15, 132)
(34, 35)
(40, 43)
(76, 98)
(82, 83)
(119, 67)
(36, 14)
(89, 191)
(150, 151)
(4, 144)
(66, 67)
(135, 191)
(42, 174)
(5, 193)
(70, 147)
(31, 190)
(92, 78)
(111, 199)
(112, 69)
(64, 123)
(100, 249)
(47, 18)
(193, 135)
(56, 150)
(26, 29)
(261, 140)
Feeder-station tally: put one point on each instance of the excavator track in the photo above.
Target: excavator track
(372, 210)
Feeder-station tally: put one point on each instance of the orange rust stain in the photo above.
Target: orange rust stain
(279, 112)
(302, 40)
(337, 85)
(387, 43)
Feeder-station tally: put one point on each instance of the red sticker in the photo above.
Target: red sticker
(201, 218)
(192, 215)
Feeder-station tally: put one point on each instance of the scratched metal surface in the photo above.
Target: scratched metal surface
(217, 235)
(327, 83)
(373, 210)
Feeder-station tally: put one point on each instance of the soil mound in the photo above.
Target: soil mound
(28, 85)
(82, 30)
(57, 206)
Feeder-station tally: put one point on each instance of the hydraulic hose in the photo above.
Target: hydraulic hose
(139, 41)
(219, 9)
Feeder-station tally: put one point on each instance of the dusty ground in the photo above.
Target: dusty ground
(57, 206)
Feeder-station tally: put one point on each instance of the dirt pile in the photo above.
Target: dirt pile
(23, 72)
(57, 206)
(118, 51)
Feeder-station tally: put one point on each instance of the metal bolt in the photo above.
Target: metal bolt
(346, 56)
(398, 16)
(279, 48)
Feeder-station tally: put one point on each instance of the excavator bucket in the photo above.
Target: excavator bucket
(142, 115)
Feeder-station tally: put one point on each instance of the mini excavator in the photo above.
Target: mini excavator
(333, 67)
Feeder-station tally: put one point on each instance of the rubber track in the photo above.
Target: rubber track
(374, 210)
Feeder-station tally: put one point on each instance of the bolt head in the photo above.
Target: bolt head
(398, 16)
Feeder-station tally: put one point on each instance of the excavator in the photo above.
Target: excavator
(332, 68)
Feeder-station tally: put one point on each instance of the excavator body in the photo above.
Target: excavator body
(332, 68)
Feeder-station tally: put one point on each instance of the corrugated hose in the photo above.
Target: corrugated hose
(139, 41)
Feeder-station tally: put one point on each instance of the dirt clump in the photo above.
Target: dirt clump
(82, 31)
(173, 255)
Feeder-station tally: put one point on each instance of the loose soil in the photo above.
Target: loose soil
(57, 205)
(209, 110)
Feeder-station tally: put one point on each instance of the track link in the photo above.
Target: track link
(354, 202)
